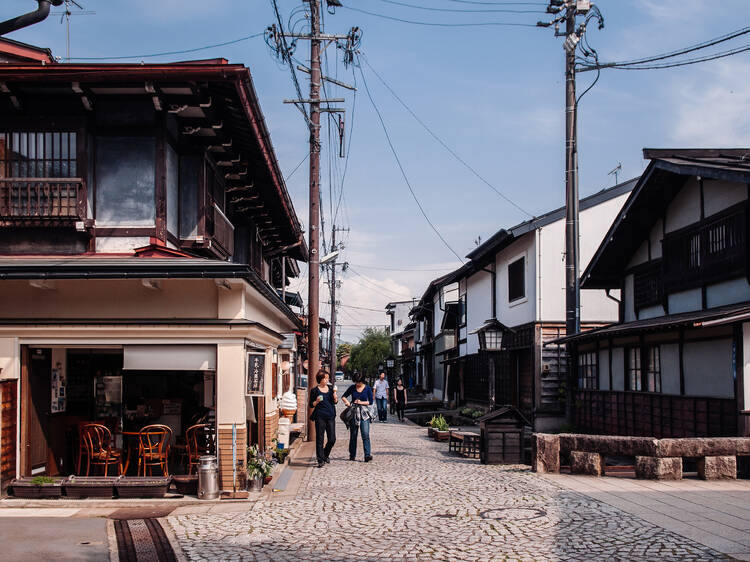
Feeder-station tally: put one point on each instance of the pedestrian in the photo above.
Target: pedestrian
(399, 398)
(381, 397)
(323, 400)
(361, 400)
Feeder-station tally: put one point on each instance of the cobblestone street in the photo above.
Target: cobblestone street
(415, 502)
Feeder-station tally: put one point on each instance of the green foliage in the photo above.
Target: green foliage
(477, 413)
(466, 411)
(260, 463)
(439, 423)
(372, 348)
(39, 480)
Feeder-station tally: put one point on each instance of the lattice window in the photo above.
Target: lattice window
(588, 372)
(37, 154)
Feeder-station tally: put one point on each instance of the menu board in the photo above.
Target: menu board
(58, 397)
(256, 363)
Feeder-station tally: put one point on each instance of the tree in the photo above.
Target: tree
(343, 355)
(372, 348)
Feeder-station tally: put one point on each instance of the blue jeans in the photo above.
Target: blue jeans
(364, 426)
(382, 408)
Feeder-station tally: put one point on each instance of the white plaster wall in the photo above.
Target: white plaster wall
(603, 360)
(656, 236)
(520, 311)
(685, 208)
(728, 292)
(120, 244)
(719, 194)
(9, 360)
(708, 368)
(670, 368)
(450, 293)
(478, 306)
(627, 299)
(618, 368)
(400, 317)
(685, 301)
(230, 383)
(641, 255)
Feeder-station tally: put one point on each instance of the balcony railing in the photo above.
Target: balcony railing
(42, 198)
(222, 231)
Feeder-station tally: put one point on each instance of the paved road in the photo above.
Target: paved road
(414, 502)
(32, 539)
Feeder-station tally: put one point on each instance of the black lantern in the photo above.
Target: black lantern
(491, 335)
(390, 363)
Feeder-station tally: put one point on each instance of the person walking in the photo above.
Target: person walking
(399, 398)
(323, 399)
(361, 400)
(381, 396)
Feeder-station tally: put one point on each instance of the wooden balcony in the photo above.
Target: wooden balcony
(222, 231)
(41, 200)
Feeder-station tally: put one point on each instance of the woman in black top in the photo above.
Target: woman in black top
(323, 401)
(399, 398)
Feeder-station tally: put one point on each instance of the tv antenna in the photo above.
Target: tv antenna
(65, 17)
(615, 171)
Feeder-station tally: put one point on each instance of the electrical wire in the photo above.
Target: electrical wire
(287, 58)
(361, 308)
(442, 142)
(697, 60)
(290, 174)
(373, 287)
(463, 11)
(499, 3)
(447, 268)
(168, 53)
(348, 147)
(403, 172)
(435, 24)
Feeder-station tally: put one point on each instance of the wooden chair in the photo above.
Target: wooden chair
(153, 448)
(201, 440)
(97, 442)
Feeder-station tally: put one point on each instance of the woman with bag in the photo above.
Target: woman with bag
(323, 401)
(361, 400)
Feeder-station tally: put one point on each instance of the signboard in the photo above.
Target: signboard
(59, 400)
(256, 369)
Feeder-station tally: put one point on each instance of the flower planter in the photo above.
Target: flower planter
(90, 486)
(255, 484)
(143, 486)
(441, 435)
(27, 489)
(267, 480)
(186, 484)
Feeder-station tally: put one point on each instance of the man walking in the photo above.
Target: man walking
(381, 397)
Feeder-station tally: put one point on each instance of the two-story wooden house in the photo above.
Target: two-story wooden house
(145, 229)
(676, 363)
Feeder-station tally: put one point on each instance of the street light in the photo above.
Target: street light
(490, 335)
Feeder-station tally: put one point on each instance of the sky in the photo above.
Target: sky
(493, 94)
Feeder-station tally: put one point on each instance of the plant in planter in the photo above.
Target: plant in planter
(37, 487)
(260, 466)
(476, 414)
(441, 428)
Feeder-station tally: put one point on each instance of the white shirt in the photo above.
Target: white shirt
(381, 388)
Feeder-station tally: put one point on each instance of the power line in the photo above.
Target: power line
(167, 53)
(434, 24)
(401, 268)
(696, 60)
(372, 286)
(403, 173)
(442, 143)
(498, 3)
(463, 11)
(360, 307)
(290, 174)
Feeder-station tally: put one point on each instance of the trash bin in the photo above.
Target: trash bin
(208, 478)
(284, 427)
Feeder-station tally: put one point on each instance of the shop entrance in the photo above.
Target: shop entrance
(38, 406)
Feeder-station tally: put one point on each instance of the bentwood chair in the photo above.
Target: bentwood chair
(201, 440)
(153, 448)
(97, 443)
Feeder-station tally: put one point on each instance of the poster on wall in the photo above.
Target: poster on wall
(256, 363)
(58, 399)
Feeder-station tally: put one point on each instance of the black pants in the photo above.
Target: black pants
(400, 410)
(328, 426)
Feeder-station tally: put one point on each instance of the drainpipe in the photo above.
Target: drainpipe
(31, 18)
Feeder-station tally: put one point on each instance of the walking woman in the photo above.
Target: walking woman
(361, 398)
(323, 400)
(399, 398)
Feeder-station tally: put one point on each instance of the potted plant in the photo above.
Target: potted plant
(259, 467)
(431, 427)
(142, 486)
(441, 429)
(90, 486)
(38, 487)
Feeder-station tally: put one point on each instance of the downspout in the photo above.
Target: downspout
(19, 22)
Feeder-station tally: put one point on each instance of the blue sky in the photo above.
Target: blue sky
(494, 94)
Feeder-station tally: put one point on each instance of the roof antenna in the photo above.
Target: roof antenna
(65, 16)
(615, 171)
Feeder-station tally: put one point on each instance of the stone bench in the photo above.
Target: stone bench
(654, 458)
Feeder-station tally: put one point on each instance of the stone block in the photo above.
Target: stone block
(609, 445)
(586, 463)
(545, 455)
(694, 447)
(656, 468)
(715, 468)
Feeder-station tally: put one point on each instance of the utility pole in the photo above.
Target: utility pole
(276, 38)
(334, 248)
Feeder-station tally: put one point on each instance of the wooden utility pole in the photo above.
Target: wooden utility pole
(332, 346)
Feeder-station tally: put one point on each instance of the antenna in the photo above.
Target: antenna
(615, 171)
(65, 17)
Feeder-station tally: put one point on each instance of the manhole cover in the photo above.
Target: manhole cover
(514, 513)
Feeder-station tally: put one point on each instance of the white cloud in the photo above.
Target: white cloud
(672, 10)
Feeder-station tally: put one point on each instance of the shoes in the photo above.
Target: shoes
(327, 460)
(321, 464)
(352, 459)
(368, 459)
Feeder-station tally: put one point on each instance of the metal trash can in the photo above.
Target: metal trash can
(208, 478)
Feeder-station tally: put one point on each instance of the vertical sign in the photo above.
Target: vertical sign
(256, 363)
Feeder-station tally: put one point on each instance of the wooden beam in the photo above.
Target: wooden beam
(83, 95)
(13, 97)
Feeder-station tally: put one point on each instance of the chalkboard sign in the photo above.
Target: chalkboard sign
(256, 363)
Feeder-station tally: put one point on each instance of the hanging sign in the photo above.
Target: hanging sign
(256, 363)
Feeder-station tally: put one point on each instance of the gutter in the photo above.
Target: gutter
(19, 22)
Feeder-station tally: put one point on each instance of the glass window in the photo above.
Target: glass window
(653, 369)
(462, 310)
(634, 368)
(517, 280)
(33, 154)
(125, 171)
(587, 370)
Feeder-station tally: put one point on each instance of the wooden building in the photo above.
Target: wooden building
(676, 363)
(145, 230)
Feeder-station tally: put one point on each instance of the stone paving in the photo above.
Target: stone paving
(415, 502)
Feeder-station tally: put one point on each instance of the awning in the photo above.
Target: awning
(169, 358)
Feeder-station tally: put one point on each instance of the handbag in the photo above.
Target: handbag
(347, 415)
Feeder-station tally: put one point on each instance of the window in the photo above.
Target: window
(31, 154)
(634, 368)
(588, 375)
(462, 310)
(647, 285)
(517, 280)
(644, 368)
